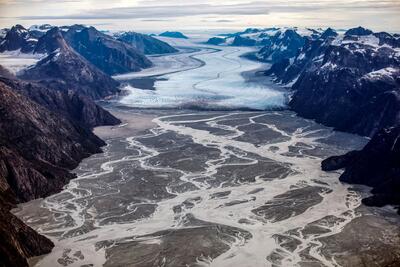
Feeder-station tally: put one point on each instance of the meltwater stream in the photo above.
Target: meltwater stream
(203, 188)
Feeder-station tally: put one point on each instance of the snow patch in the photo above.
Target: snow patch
(381, 74)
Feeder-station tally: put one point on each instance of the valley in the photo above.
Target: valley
(197, 175)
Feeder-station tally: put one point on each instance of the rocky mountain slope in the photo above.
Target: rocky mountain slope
(106, 53)
(376, 165)
(145, 43)
(64, 69)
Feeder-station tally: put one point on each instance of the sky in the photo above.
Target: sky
(160, 15)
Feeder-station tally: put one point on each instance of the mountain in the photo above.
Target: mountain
(348, 81)
(377, 165)
(65, 69)
(178, 35)
(108, 54)
(17, 38)
(216, 41)
(283, 45)
(146, 44)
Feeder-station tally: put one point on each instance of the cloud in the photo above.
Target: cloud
(163, 11)
(173, 9)
(225, 20)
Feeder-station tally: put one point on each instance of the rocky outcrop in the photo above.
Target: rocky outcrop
(106, 53)
(64, 69)
(146, 44)
(178, 35)
(377, 165)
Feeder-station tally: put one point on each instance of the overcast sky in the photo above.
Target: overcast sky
(158, 15)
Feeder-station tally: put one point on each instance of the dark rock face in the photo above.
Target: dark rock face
(106, 53)
(64, 69)
(146, 44)
(47, 145)
(178, 35)
(19, 241)
(376, 165)
(278, 68)
(43, 134)
(18, 38)
(69, 104)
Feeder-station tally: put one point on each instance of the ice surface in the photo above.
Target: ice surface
(218, 84)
